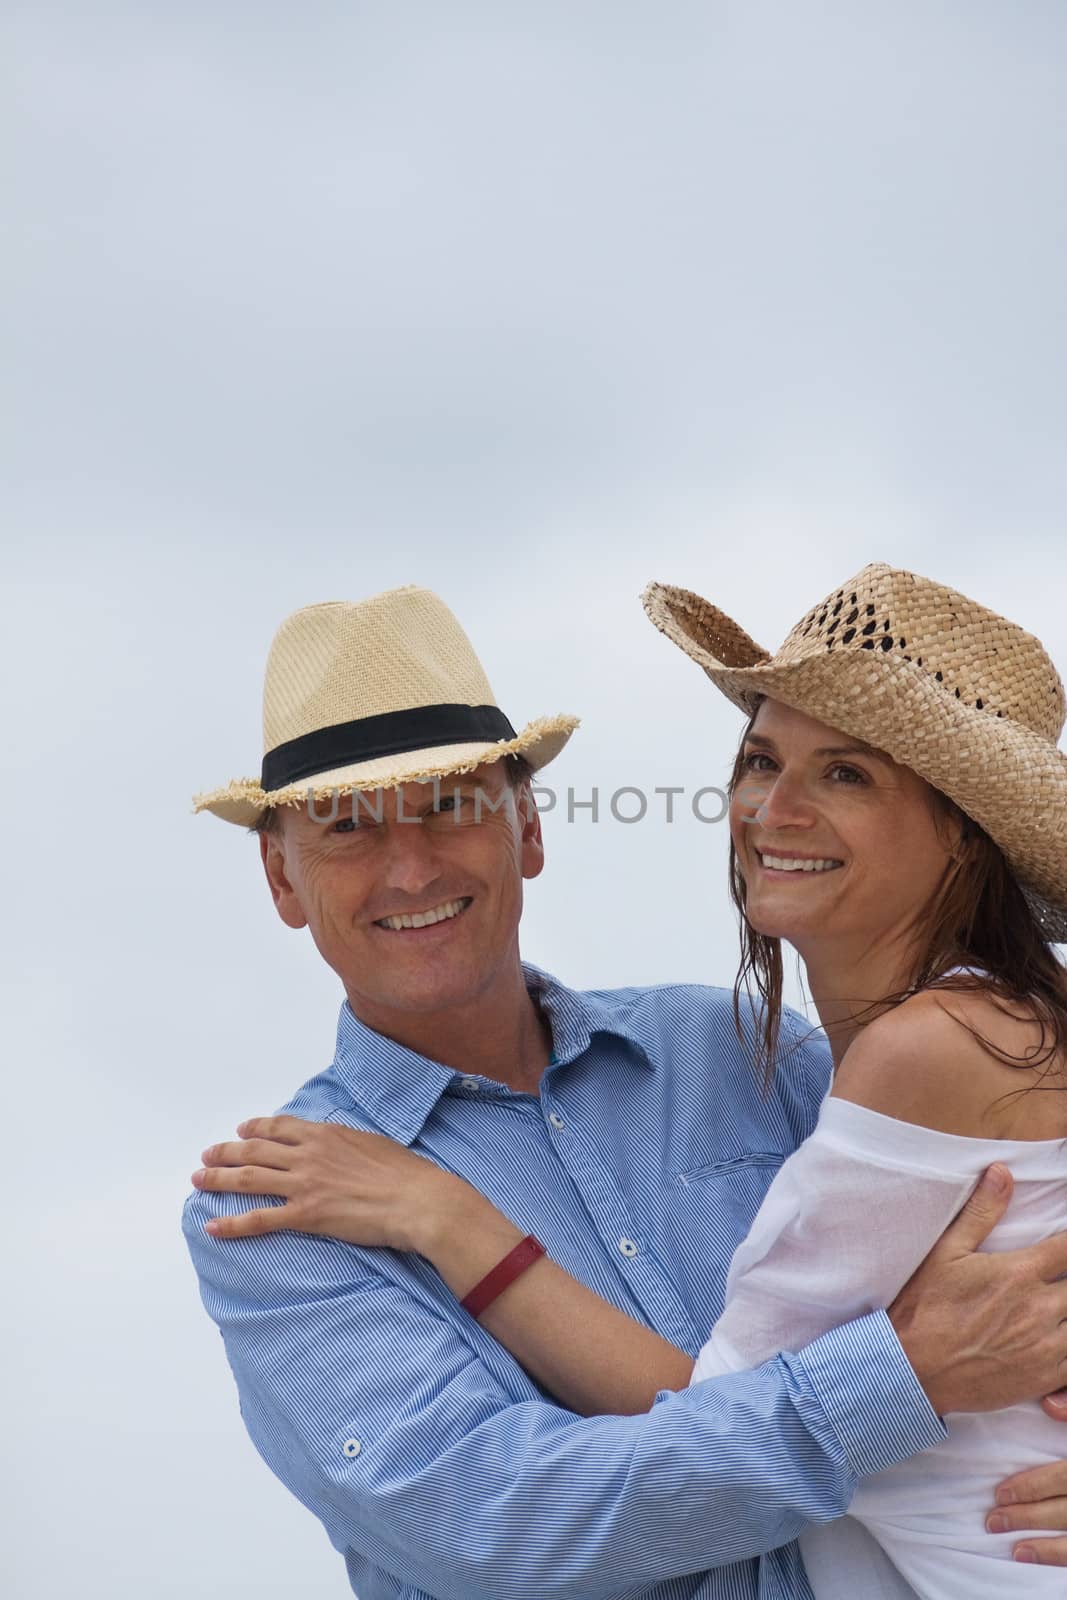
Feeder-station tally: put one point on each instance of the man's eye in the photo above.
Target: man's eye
(353, 825)
(453, 805)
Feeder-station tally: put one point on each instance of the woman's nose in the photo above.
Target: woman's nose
(784, 804)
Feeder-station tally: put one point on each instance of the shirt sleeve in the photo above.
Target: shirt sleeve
(377, 1409)
(846, 1221)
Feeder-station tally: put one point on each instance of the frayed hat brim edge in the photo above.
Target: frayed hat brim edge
(243, 800)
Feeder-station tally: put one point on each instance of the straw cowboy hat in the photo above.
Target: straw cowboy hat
(373, 695)
(969, 701)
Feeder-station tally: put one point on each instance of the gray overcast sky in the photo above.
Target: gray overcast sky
(529, 304)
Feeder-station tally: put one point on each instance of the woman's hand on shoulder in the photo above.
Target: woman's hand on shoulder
(361, 1188)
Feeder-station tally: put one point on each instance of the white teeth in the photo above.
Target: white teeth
(424, 919)
(796, 864)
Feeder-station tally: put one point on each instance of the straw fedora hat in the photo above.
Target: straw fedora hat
(968, 700)
(371, 695)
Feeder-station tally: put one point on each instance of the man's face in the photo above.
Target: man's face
(449, 858)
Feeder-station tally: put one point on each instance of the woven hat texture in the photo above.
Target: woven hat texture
(967, 699)
(341, 662)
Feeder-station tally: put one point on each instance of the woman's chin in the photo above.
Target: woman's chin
(777, 923)
(777, 930)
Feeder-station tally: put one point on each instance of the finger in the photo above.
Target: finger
(1043, 1552)
(248, 1152)
(982, 1212)
(243, 1180)
(1054, 1296)
(1032, 1514)
(1051, 1256)
(249, 1224)
(1036, 1483)
(287, 1130)
(1055, 1406)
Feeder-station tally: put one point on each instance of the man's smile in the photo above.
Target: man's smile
(409, 921)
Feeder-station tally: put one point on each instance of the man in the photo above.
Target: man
(626, 1129)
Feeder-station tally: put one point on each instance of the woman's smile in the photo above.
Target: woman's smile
(783, 864)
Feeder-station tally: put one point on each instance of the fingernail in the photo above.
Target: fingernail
(997, 1178)
(198, 1175)
(211, 1227)
(1005, 1497)
(1025, 1553)
(996, 1523)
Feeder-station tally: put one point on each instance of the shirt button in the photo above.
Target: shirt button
(556, 1120)
(471, 1085)
(627, 1247)
(351, 1447)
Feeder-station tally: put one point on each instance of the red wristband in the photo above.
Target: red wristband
(516, 1261)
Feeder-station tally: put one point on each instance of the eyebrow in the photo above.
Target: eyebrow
(763, 743)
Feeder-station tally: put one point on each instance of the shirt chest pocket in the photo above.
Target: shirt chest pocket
(713, 1208)
(740, 1168)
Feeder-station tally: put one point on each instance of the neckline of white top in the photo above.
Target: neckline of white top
(912, 1143)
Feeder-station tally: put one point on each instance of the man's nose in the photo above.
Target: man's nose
(411, 858)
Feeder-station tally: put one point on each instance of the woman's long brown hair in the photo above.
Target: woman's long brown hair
(978, 917)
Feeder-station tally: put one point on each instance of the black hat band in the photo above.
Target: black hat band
(391, 734)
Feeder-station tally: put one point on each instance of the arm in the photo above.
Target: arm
(469, 1484)
(368, 1190)
(593, 1357)
(843, 1230)
(980, 1331)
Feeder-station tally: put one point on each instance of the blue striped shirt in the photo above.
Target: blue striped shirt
(436, 1465)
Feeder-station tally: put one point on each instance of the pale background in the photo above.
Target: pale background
(529, 303)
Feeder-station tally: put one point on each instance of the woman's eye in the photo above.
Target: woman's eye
(755, 756)
(851, 775)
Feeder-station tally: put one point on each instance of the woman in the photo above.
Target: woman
(899, 816)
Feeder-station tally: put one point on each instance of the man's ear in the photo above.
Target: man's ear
(533, 845)
(272, 855)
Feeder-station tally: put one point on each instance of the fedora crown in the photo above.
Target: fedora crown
(375, 694)
(337, 661)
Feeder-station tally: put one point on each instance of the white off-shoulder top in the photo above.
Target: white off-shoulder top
(844, 1224)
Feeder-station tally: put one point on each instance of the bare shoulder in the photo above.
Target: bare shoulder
(922, 1063)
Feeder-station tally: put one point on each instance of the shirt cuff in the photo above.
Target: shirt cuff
(869, 1393)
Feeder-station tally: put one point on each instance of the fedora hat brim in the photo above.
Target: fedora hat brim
(244, 801)
(1007, 778)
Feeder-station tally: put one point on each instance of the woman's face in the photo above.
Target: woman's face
(834, 839)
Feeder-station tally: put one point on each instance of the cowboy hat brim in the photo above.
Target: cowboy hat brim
(244, 801)
(1009, 779)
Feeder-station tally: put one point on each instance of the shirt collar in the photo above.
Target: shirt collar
(399, 1088)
